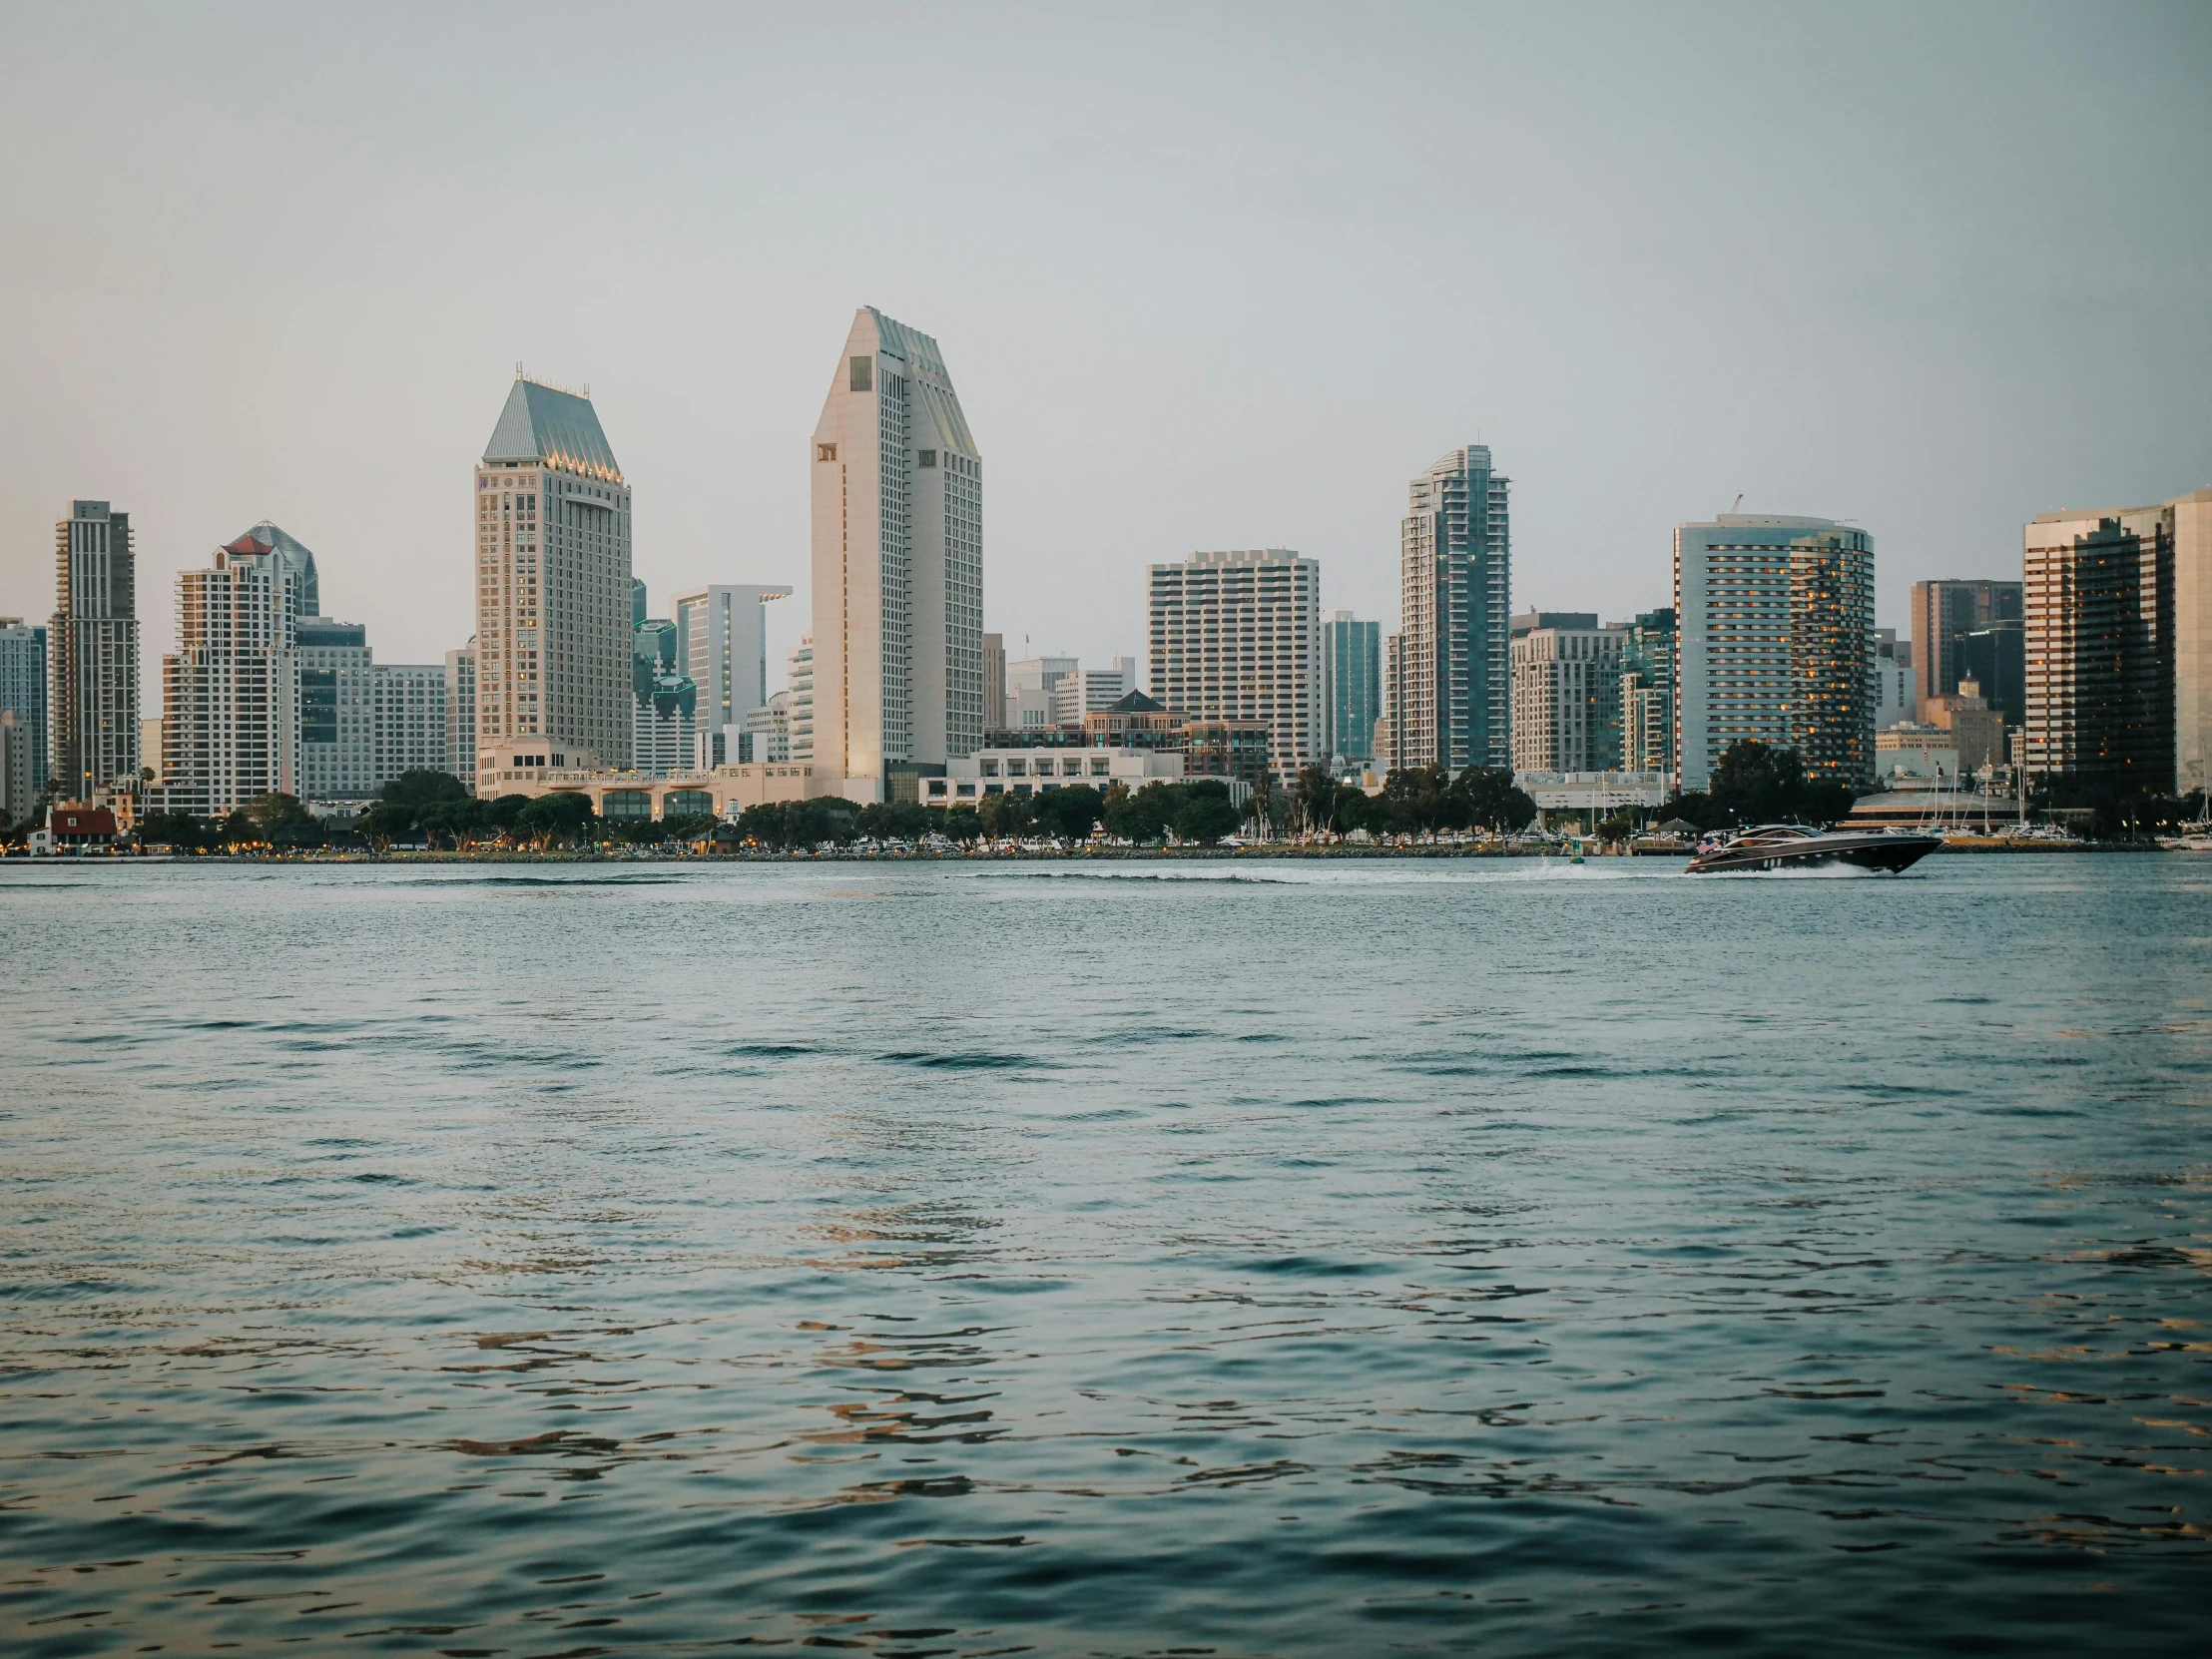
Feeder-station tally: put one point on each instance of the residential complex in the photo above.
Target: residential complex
(93, 653)
(230, 722)
(897, 563)
(798, 719)
(1776, 628)
(1566, 693)
(23, 691)
(2118, 644)
(1448, 674)
(1351, 686)
(1236, 637)
(1647, 692)
(553, 607)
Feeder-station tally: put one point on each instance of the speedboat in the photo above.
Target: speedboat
(1795, 846)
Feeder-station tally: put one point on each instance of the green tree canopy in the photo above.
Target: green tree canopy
(422, 785)
(565, 817)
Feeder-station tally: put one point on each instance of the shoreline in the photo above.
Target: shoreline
(524, 855)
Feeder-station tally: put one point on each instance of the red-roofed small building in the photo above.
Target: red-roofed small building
(81, 827)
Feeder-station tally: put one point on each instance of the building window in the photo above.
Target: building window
(825, 451)
(925, 457)
(864, 373)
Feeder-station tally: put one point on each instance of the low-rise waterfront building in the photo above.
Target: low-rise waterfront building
(1034, 770)
(723, 791)
(1598, 793)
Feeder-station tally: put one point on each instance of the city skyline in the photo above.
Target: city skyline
(698, 325)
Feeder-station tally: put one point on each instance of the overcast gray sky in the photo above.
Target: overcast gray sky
(1205, 277)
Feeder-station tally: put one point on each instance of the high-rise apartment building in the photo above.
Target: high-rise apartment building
(1237, 637)
(898, 562)
(1566, 693)
(798, 680)
(1775, 631)
(994, 682)
(1350, 685)
(1447, 690)
(1647, 692)
(2192, 515)
(230, 722)
(23, 691)
(93, 653)
(1944, 614)
(721, 648)
(2100, 645)
(553, 593)
(460, 714)
(17, 792)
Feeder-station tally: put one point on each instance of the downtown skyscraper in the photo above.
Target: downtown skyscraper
(897, 563)
(553, 678)
(93, 647)
(1448, 674)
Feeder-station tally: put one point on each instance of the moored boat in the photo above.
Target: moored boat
(1774, 846)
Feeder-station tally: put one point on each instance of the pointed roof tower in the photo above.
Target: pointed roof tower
(297, 554)
(545, 424)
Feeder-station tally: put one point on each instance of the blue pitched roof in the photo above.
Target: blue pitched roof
(544, 424)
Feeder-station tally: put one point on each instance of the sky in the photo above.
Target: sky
(1204, 275)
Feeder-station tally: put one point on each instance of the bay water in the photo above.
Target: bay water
(1235, 1257)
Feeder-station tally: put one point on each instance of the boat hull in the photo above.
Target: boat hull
(1884, 855)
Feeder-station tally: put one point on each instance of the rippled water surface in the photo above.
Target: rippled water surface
(1270, 1259)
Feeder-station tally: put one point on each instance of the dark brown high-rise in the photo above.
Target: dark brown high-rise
(93, 648)
(1944, 614)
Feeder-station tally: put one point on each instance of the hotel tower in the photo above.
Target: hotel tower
(552, 593)
(897, 564)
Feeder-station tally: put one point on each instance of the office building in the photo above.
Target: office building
(1566, 693)
(664, 701)
(768, 732)
(1236, 637)
(1973, 730)
(898, 562)
(2099, 646)
(460, 714)
(230, 720)
(337, 724)
(1448, 689)
(994, 682)
(1775, 619)
(407, 712)
(23, 691)
(721, 648)
(1350, 685)
(1647, 692)
(1944, 614)
(1995, 659)
(92, 644)
(1031, 682)
(18, 795)
(1081, 689)
(553, 593)
(1897, 698)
